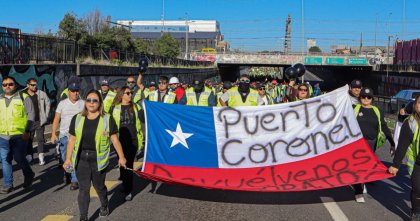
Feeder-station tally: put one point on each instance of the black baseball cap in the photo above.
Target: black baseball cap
(356, 84)
(368, 92)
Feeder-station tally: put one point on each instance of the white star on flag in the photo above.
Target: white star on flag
(179, 136)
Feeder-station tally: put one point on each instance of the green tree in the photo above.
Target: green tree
(141, 46)
(72, 28)
(315, 49)
(167, 46)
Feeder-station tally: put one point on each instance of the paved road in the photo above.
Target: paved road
(49, 197)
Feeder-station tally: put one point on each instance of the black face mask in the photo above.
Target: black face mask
(198, 88)
(243, 87)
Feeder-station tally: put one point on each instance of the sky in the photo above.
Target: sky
(248, 25)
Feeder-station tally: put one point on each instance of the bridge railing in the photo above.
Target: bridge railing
(34, 49)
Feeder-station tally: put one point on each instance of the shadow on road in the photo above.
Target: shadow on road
(44, 180)
(393, 193)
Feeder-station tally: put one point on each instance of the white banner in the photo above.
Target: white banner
(277, 134)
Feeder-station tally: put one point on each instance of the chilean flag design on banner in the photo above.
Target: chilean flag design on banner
(299, 146)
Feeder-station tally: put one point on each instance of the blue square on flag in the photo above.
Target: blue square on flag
(180, 136)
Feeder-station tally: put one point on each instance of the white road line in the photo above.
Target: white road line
(336, 213)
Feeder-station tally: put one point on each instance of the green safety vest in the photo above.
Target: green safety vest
(413, 150)
(192, 97)
(269, 99)
(116, 114)
(146, 92)
(137, 96)
(13, 118)
(169, 97)
(218, 95)
(235, 98)
(65, 92)
(107, 102)
(381, 139)
(102, 141)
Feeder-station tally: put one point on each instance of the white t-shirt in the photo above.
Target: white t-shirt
(67, 110)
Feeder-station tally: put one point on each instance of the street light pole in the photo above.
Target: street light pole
(163, 16)
(403, 20)
(376, 25)
(303, 29)
(186, 36)
(389, 39)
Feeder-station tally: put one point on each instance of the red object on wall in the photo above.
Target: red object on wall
(113, 55)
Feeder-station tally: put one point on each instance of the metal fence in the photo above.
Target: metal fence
(25, 49)
(388, 105)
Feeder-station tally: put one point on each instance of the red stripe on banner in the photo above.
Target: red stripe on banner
(350, 164)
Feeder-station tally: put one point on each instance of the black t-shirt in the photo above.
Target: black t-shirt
(128, 131)
(369, 125)
(34, 99)
(89, 131)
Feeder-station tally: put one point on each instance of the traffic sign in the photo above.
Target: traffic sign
(313, 60)
(357, 61)
(334, 60)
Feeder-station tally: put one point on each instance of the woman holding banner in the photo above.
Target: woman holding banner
(88, 151)
(408, 145)
(126, 115)
(302, 92)
(374, 130)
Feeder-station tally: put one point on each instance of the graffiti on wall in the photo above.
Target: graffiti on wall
(52, 79)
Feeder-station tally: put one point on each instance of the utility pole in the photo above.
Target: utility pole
(303, 29)
(186, 36)
(376, 26)
(163, 17)
(389, 40)
(403, 21)
(303, 37)
(288, 37)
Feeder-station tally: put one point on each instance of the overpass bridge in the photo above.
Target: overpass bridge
(257, 59)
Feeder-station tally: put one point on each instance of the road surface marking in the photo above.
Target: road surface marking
(336, 213)
(57, 218)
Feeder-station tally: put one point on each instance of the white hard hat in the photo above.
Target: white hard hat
(173, 80)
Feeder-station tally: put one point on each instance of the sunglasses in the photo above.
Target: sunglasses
(92, 100)
(366, 97)
(301, 89)
(161, 82)
(356, 88)
(8, 84)
(245, 81)
(131, 82)
(261, 88)
(74, 91)
(32, 85)
(128, 93)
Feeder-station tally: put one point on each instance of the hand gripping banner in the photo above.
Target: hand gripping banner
(305, 145)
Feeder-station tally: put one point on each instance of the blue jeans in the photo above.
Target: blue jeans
(63, 141)
(15, 148)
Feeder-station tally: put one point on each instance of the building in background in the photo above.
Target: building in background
(201, 34)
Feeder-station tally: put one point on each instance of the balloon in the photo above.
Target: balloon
(143, 64)
(290, 73)
(300, 68)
